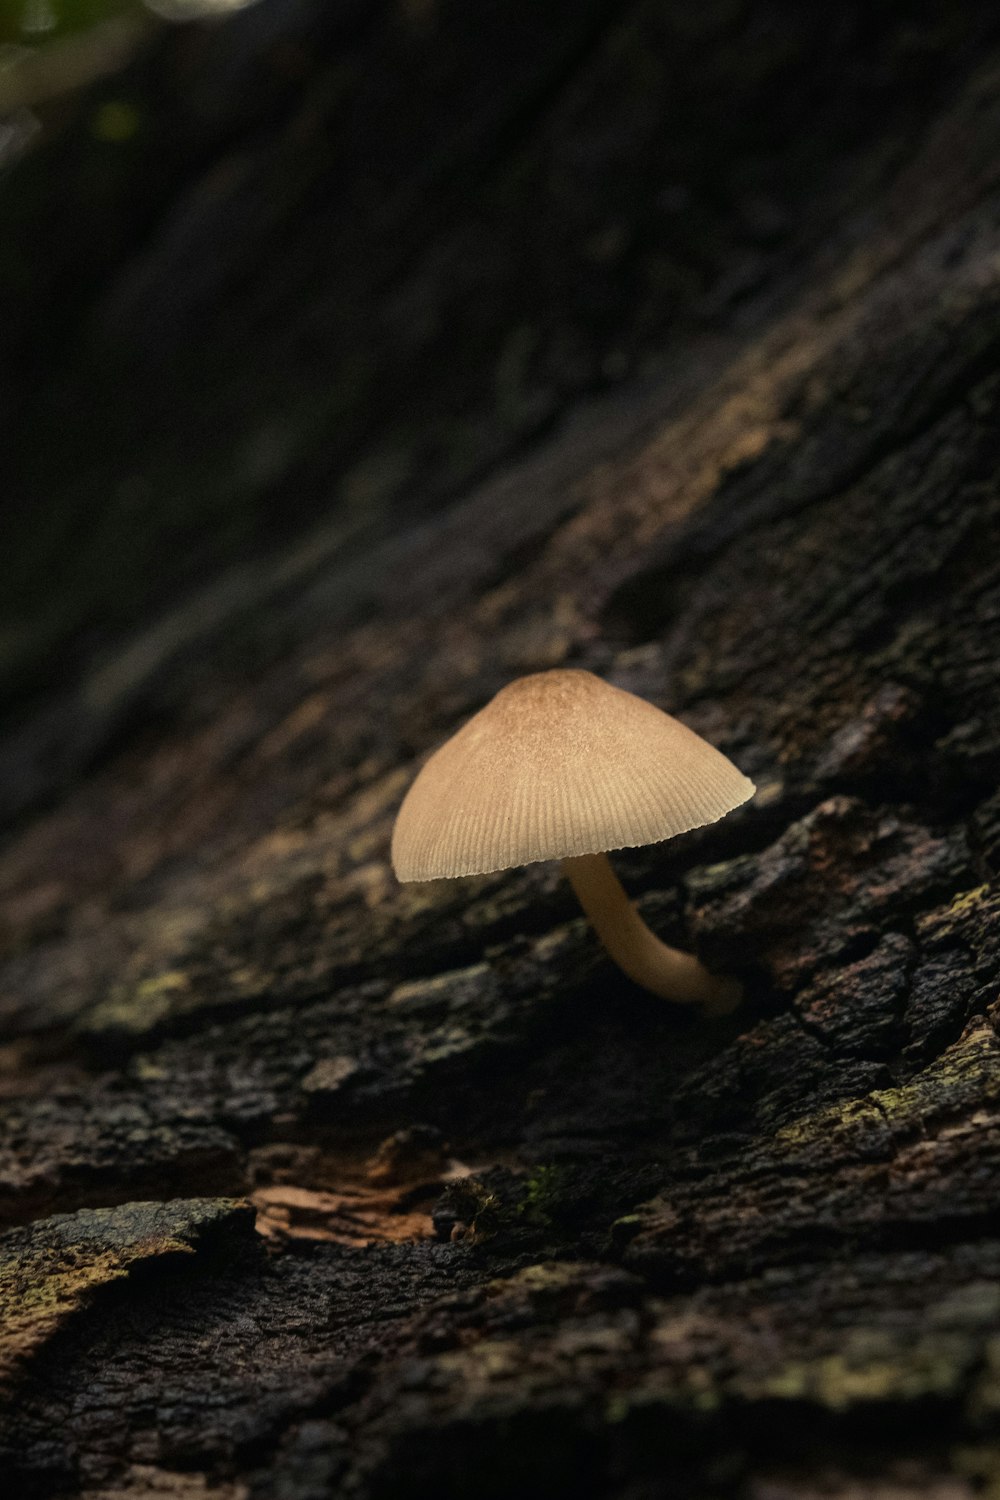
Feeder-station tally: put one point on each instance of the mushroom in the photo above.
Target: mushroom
(561, 765)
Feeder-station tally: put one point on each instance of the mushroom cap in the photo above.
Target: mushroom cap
(558, 764)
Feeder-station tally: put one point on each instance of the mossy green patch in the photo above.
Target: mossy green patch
(53, 1269)
(967, 901)
(871, 1367)
(136, 1009)
(966, 1076)
(544, 1194)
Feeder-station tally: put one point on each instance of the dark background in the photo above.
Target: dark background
(355, 359)
(328, 263)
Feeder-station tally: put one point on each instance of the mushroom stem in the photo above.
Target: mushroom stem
(652, 964)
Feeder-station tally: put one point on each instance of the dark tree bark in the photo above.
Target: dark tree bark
(319, 1185)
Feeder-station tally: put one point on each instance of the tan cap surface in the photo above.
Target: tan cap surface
(558, 764)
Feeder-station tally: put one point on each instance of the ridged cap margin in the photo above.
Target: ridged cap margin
(559, 763)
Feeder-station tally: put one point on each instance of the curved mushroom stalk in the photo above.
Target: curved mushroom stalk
(640, 953)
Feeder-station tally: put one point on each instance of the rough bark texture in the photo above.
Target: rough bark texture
(520, 1229)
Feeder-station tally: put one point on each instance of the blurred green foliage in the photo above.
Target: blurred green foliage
(35, 22)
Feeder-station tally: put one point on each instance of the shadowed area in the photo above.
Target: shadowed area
(710, 411)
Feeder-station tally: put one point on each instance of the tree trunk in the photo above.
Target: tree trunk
(315, 1184)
